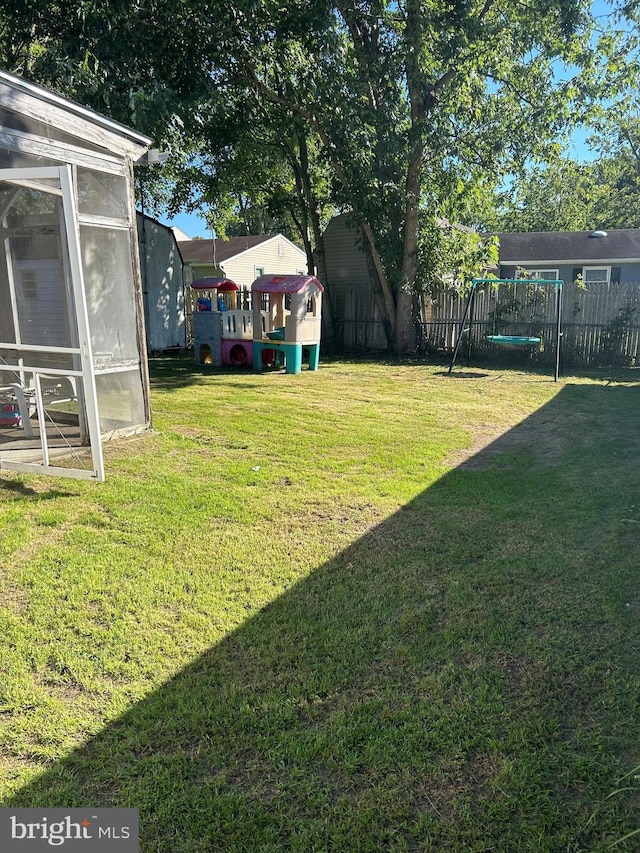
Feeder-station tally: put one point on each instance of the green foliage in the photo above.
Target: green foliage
(565, 195)
(558, 196)
(133, 61)
(407, 98)
(451, 255)
(242, 166)
(522, 304)
(613, 336)
(396, 103)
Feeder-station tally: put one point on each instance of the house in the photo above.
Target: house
(162, 285)
(600, 271)
(72, 346)
(242, 259)
(599, 257)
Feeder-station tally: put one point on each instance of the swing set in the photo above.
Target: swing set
(511, 341)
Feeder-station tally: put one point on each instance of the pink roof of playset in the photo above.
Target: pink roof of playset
(212, 283)
(284, 283)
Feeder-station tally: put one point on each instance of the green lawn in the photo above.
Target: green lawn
(370, 608)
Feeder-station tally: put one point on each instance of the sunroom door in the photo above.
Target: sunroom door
(48, 407)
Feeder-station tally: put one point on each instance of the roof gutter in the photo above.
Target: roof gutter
(569, 262)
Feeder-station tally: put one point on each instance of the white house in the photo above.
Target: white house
(242, 259)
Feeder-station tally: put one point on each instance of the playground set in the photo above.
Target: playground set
(285, 321)
(514, 342)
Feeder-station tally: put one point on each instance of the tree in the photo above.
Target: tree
(564, 194)
(561, 195)
(130, 60)
(244, 143)
(157, 66)
(401, 100)
(570, 196)
(405, 97)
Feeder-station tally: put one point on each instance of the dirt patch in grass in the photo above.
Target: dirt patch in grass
(547, 439)
(13, 598)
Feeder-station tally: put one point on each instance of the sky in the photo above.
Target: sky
(195, 226)
(192, 225)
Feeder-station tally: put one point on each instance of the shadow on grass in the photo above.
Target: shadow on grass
(175, 371)
(170, 372)
(463, 374)
(463, 677)
(23, 491)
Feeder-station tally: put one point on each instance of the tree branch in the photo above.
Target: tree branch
(274, 98)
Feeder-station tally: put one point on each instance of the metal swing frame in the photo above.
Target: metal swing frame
(466, 323)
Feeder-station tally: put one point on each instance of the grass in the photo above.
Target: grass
(369, 608)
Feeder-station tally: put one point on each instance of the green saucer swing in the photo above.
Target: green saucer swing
(513, 341)
(518, 341)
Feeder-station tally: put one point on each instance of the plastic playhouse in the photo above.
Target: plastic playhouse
(287, 312)
(10, 415)
(221, 335)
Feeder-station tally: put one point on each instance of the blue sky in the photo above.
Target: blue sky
(190, 223)
(195, 226)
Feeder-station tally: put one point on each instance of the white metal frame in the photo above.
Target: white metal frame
(33, 177)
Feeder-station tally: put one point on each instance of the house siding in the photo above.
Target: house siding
(629, 272)
(276, 257)
(44, 315)
(355, 313)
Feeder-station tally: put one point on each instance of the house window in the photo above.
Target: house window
(29, 286)
(259, 271)
(596, 275)
(547, 275)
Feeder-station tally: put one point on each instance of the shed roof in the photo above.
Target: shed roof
(144, 218)
(285, 283)
(570, 246)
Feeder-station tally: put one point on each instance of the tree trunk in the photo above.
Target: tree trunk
(310, 202)
(404, 337)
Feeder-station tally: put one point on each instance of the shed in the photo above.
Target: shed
(72, 350)
(357, 318)
(162, 286)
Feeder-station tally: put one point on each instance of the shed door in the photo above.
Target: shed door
(48, 407)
